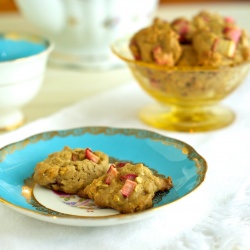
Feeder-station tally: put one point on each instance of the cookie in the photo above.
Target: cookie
(126, 188)
(71, 169)
(157, 43)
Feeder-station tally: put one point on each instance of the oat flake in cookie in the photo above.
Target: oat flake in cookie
(126, 188)
(71, 169)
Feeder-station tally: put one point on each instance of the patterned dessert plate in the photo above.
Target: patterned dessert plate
(164, 155)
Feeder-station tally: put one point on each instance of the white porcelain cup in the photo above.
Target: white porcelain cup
(83, 30)
(23, 62)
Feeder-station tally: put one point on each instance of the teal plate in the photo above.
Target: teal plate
(164, 155)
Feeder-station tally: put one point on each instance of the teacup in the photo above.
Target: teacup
(23, 59)
(83, 30)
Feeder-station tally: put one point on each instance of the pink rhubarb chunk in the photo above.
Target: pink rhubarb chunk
(74, 157)
(121, 164)
(182, 27)
(111, 174)
(91, 156)
(128, 176)
(229, 19)
(232, 33)
(128, 188)
(162, 58)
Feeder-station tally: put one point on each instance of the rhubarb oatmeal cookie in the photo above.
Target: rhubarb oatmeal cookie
(218, 41)
(71, 169)
(157, 43)
(126, 188)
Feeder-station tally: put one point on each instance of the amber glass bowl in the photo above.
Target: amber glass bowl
(188, 98)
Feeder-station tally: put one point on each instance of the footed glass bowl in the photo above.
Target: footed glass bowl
(187, 98)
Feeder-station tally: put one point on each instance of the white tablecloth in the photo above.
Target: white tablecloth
(224, 225)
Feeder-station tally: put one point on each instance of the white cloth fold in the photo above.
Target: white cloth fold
(219, 220)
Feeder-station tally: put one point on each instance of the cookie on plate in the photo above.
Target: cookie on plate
(71, 169)
(126, 188)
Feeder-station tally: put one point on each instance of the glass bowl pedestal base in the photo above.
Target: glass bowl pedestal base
(186, 119)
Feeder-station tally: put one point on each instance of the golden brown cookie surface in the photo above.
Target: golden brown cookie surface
(129, 188)
(71, 169)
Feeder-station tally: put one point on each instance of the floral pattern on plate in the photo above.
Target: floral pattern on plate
(76, 201)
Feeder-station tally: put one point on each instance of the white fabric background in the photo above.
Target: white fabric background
(218, 218)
